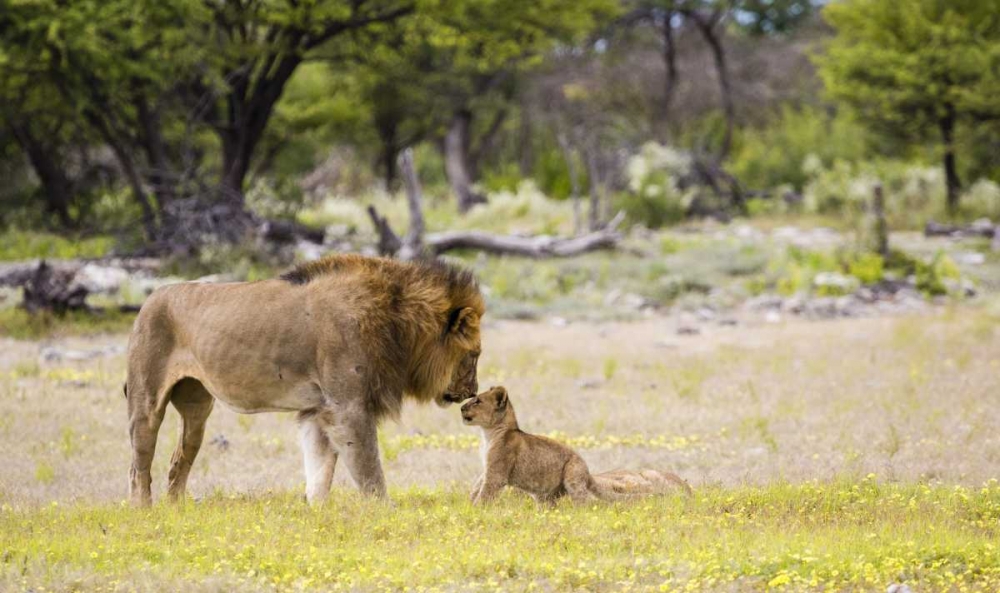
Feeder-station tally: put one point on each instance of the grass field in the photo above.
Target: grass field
(826, 456)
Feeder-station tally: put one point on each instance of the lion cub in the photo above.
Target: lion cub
(545, 468)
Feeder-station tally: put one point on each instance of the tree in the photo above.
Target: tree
(147, 78)
(916, 68)
(451, 71)
(258, 45)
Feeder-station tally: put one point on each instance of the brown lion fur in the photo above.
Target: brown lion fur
(543, 467)
(404, 310)
(340, 340)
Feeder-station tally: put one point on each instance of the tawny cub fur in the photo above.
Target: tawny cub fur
(546, 469)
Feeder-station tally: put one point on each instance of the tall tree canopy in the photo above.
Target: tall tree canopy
(912, 68)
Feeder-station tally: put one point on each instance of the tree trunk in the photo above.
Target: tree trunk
(526, 159)
(953, 183)
(389, 151)
(56, 185)
(707, 25)
(250, 105)
(161, 175)
(670, 81)
(389, 155)
(485, 145)
(594, 179)
(125, 160)
(413, 243)
(456, 151)
(574, 181)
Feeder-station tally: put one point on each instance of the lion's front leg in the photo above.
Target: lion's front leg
(319, 456)
(356, 438)
(477, 486)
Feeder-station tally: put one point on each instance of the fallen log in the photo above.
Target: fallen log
(415, 245)
(435, 244)
(979, 228)
(287, 231)
(537, 247)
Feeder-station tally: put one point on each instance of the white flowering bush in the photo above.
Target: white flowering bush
(983, 200)
(913, 193)
(654, 197)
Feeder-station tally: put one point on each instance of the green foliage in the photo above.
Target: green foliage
(913, 68)
(841, 535)
(654, 198)
(933, 277)
(18, 324)
(774, 155)
(17, 245)
(770, 17)
(869, 268)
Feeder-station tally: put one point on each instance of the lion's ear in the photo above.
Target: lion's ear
(501, 398)
(461, 322)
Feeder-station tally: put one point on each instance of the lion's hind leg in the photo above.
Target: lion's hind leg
(194, 403)
(144, 419)
(577, 481)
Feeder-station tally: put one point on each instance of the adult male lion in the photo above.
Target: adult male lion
(340, 341)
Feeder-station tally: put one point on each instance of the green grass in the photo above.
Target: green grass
(815, 536)
(16, 245)
(19, 324)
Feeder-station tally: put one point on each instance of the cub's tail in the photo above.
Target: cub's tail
(623, 484)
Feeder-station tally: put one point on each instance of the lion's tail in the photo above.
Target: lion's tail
(628, 485)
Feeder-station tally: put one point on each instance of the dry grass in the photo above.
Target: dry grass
(912, 400)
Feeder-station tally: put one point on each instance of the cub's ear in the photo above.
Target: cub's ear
(501, 398)
(461, 322)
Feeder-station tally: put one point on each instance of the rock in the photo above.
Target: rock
(635, 302)
(835, 283)
(773, 317)
(764, 302)
(729, 321)
(688, 330)
(794, 305)
(220, 441)
(898, 588)
(969, 258)
(589, 383)
(612, 297)
(705, 314)
(981, 226)
(558, 321)
(687, 325)
(101, 279)
(51, 354)
(847, 306)
(309, 251)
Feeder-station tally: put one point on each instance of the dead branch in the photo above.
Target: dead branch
(52, 289)
(388, 241)
(64, 285)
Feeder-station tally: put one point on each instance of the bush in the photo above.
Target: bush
(774, 155)
(654, 198)
(913, 193)
(15, 245)
(933, 278)
(982, 200)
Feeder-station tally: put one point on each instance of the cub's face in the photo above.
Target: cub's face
(486, 409)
